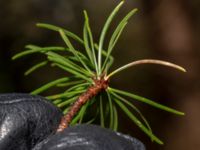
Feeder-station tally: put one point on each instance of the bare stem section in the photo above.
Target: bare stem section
(92, 91)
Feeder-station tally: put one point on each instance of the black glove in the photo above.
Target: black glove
(89, 137)
(26, 121)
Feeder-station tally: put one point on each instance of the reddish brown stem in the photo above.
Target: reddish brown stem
(92, 91)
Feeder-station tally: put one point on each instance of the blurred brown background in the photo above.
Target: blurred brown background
(162, 29)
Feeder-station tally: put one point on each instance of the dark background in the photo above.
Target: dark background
(162, 29)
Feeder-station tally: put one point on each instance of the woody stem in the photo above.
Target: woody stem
(99, 85)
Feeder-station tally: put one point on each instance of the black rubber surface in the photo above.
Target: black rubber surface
(29, 123)
(89, 137)
(26, 120)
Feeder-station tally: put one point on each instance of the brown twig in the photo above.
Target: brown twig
(99, 85)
